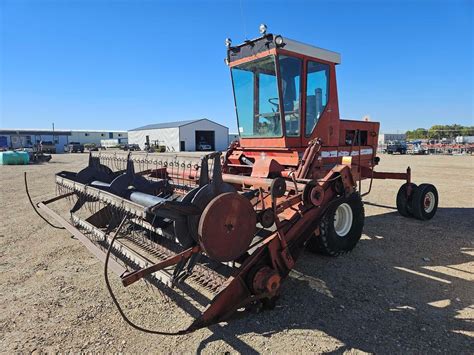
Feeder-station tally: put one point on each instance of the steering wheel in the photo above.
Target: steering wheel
(276, 104)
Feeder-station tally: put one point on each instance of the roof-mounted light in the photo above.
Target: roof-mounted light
(279, 41)
(263, 29)
(228, 42)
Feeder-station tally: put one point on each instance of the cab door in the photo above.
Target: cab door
(290, 70)
(321, 110)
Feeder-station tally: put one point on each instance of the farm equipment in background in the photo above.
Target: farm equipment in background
(232, 225)
(399, 147)
(46, 147)
(75, 147)
(130, 147)
(92, 147)
(416, 148)
(155, 146)
(24, 152)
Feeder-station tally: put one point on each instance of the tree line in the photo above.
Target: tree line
(441, 131)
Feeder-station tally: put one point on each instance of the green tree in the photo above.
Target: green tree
(441, 131)
(436, 132)
(467, 131)
(419, 133)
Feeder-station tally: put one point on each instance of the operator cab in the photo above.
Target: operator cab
(285, 92)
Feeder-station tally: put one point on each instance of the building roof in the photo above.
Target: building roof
(33, 132)
(99, 130)
(39, 131)
(174, 124)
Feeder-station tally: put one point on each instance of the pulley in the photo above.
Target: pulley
(227, 227)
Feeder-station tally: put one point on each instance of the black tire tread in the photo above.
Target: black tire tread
(417, 202)
(320, 244)
(403, 204)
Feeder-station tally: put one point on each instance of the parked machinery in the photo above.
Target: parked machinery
(399, 147)
(235, 223)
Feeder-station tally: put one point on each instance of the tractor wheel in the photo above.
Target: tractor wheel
(404, 204)
(340, 227)
(425, 202)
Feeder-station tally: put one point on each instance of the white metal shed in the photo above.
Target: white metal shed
(181, 135)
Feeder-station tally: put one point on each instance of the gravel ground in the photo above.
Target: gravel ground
(406, 288)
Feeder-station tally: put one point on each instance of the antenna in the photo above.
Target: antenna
(243, 19)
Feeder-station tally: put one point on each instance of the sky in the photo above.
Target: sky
(102, 64)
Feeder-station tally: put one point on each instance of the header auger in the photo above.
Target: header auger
(233, 225)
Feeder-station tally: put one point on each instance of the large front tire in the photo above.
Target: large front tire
(340, 227)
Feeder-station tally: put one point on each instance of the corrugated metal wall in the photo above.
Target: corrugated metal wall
(85, 137)
(168, 137)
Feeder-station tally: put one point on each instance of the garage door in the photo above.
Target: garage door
(205, 140)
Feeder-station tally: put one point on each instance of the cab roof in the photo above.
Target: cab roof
(267, 42)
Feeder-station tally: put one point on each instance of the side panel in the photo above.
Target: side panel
(368, 132)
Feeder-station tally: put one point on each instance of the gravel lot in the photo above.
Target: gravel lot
(406, 288)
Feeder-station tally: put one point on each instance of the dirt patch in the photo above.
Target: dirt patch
(407, 287)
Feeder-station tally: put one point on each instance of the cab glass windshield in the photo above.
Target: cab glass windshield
(256, 98)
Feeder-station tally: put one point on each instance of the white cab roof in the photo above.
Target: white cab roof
(315, 52)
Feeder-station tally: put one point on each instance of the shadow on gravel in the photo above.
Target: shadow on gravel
(407, 287)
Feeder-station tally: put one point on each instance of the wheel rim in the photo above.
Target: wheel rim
(343, 219)
(429, 202)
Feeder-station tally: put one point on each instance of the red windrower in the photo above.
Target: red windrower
(235, 223)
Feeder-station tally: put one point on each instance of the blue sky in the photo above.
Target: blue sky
(123, 64)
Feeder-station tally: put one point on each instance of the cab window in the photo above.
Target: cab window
(317, 93)
(256, 98)
(290, 73)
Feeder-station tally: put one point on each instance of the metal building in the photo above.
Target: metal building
(29, 138)
(96, 136)
(193, 135)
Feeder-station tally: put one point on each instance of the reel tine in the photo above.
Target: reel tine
(118, 162)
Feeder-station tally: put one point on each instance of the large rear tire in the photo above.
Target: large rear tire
(340, 227)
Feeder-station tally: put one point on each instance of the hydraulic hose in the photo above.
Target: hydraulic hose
(34, 207)
(114, 299)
